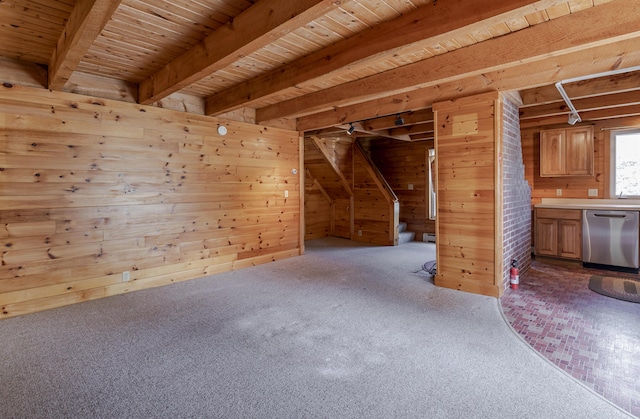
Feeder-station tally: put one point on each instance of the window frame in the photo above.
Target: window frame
(612, 162)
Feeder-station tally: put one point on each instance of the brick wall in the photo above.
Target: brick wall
(516, 195)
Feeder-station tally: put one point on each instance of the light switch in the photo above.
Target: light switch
(411, 186)
(286, 194)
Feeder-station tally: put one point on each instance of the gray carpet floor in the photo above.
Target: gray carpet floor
(345, 331)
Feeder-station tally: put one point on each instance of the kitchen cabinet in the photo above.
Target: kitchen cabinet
(566, 152)
(558, 233)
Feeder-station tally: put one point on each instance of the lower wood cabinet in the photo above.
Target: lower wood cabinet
(558, 233)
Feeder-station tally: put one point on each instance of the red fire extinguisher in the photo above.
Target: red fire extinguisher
(513, 274)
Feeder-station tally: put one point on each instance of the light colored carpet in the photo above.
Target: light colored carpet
(345, 331)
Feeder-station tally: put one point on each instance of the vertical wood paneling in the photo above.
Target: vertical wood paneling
(364, 212)
(317, 211)
(373, 213)
(466, 215)
(331, 170)
(404, 164)
(92, 188)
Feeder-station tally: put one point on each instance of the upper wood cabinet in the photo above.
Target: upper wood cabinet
(566, 152)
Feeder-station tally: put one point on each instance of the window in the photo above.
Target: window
(625, 164)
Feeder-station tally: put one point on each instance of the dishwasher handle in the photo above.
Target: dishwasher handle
(610, 215)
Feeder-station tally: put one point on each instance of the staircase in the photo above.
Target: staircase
(405, 236)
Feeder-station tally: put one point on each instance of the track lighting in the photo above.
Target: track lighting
(399, 120)
(351, 128)
(573, 118)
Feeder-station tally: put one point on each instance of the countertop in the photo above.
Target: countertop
(598, 204)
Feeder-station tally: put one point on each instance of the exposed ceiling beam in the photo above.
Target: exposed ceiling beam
(413, 129)
(422, 137)
(595, 115)
(360, 128)
(588, 61)
(388, 122)
(602, 25)
(251, 30)
(594, 87)
(585, 104)
(85, 24)
(427, 26)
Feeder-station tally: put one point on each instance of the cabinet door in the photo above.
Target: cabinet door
(546, 237)
(579, 151)
(552, 153)
(570, 239)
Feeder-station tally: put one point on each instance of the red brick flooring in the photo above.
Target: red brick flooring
(595, 339)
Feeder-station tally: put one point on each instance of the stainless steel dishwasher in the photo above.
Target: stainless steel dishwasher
(611, 238)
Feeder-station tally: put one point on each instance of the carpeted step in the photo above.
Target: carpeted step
(406, 237)
(402, 227)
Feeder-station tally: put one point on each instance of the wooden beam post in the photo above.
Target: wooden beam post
(88, 19)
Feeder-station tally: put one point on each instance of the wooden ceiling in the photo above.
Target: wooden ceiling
(319, 65)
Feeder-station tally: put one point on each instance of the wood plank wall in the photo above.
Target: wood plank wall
(327, 185)
(359, 209)
(91, 188)
(403, 163)
(572, 186)
(340, 150)
(467, 222)
(374, 214)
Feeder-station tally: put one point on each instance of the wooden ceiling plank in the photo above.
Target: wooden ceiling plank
(596, 26)
(55, 12)
(580, 63)
(253, 29)
(34, 24)
(86, 22)
(151, 27)
(431, 20)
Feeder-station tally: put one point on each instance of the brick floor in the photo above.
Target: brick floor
(595, 339)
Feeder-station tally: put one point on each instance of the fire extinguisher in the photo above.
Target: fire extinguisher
(513, 274)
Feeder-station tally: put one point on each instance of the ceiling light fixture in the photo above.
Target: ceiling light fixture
(399, 120)
(351, 128)
(573, 118)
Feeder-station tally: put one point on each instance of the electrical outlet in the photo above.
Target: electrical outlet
(359, 232)
(593, 192)
(126, 276)
(558, 192)
(286, 194)
(411, 186)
